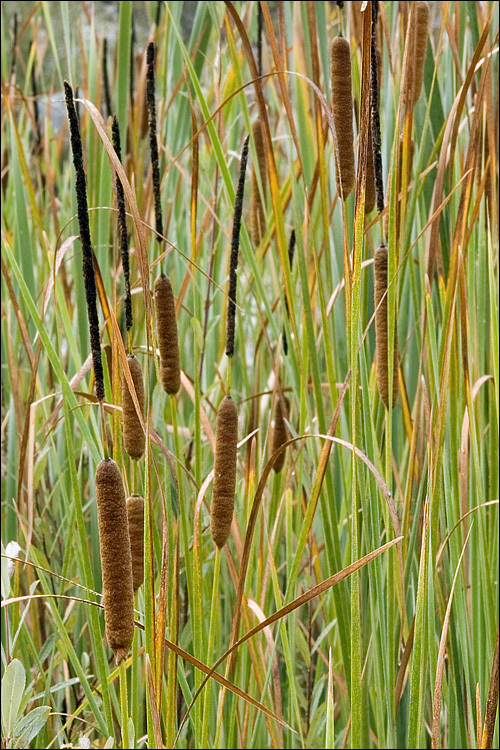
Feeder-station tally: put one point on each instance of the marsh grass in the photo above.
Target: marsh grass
(356, 599)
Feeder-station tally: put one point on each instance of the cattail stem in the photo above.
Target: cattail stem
(103, 430)
(83, 221)
(235, 245)
(124, 704)
(153, 143)
(122, 229)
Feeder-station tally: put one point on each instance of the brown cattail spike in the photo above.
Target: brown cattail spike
(341, 85)
(83, 222)
(381, 352)
(226, 440)
(280, 432)
(421, 36)
(257, 215)
(135, 511)
(116, 559)
(166, 331)
(133, 435)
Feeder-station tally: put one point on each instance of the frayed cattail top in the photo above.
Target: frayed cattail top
(116, 558)
(341, 86)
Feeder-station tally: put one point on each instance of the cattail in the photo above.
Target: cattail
(153, 143)
(421, 35)
(280, 432)
(36, 109)
(291, 252)
(226, 439)
(83, 221)
(133, 435)
(166, 331)
(135, 512)
(375, 150)
(381, 353)
(257, 216)
(235, 246)
(122, 228)
(105, 79)
(341, 86)
(116, 559)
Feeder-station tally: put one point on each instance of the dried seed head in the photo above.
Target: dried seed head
(341, 86)
(105, 79)
(166, 331)
(370, 194)
(122, 227)
(226, 439)
(116, 559)
(135, 511)
(133, 435)
(381, 353)
(421, 36)
(280, 432)
(153, 143)
(257, 216)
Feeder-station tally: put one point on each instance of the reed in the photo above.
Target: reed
(226, 440)
(116, 558)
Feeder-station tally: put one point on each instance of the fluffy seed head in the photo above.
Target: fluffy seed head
(166, 331)
(421, 36)
(226, 439)
(381, 353)
(133, 435)
(341, 85)
(116, 560)
(280, 433)
(135, 511)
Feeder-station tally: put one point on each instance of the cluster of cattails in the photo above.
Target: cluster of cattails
(341, 88)
(381, 351)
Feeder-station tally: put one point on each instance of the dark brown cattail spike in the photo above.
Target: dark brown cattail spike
(381, 351)
(122, 228)
(131, 78)
(116, 559)
(134, 439)
(259, 38)
(257, 215)
(153, 143)
(291, 252)
(280, 432)
(341, 86)
(421, 36)
(226, 440)
(36, 110)
(166, 331)
(105, 79)
(135, 511)
(375, 117)
(83, 221)
(235, 245)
